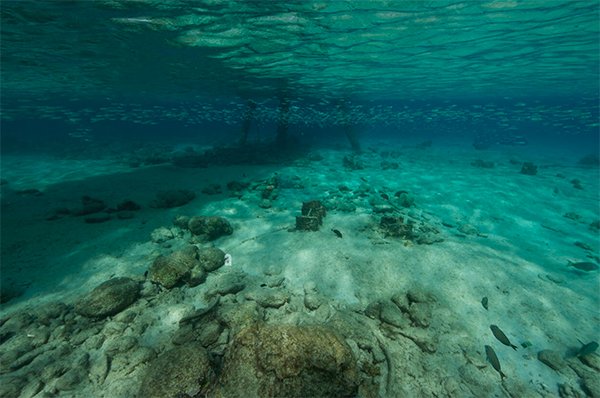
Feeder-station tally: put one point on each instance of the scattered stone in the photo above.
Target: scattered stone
(417, 296)
(483, 164)
(161, 235)
(392, 315)
(70, 380)
(32, 192)
(468, 229)
(124, 215)
(267, 298)
(595, 224)
(128, 205)
(109, 298)
(304, 223)
(209, 228)
(190, 160)
(420, 314)
(343, 188)
(404, 199)
(561, 175)
(212, 189)
(584, 246)
(578, 186)
(401, 300)
(11, 386)
(288, 360)
(428, 240)
(265, 204)
(31, 389)
(424, 144)
(313, 301)
(90, 206)
(181, 222)
(529, 169)
(351, 164)
(315, 157)
(210, 333)
(314, 208)
(97, 218)
(211, 258)
(385, 165)
(3, 181)
(197, 276)
(168, 271)
(181, 371)
(555, 278)
(56, 213)
(50, 311)
(275, 280)
(394, 226)
(572, 216)
(236, 186)
(171, 198)
(552, 359)
(373, 310)
(346, 206)
(590, 160)
(10, 292)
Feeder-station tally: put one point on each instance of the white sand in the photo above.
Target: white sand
(523, 238)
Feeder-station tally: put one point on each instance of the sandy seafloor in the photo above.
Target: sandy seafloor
(517, 259)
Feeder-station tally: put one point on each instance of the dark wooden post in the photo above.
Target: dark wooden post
(349, 126)
(247, 122)
(282, 126)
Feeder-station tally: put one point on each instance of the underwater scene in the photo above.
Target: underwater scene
(321, 198)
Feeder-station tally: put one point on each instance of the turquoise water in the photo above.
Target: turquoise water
(453, 144)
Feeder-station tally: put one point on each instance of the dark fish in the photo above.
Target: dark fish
(587, 349)
(484, 302)
(338, 233)
(385, 197)
(501, 337)
(491, 356)
(583, 266)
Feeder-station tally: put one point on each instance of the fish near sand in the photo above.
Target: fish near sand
(587, 349)
(484, 302)
(501, 336)
(491, 356)
(337, 233)
(586, 266)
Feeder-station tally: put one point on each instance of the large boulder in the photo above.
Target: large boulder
(108, 298)
(180, 372)
(172, 198)
(168, 271)
(288, 361)
(209, 227)
(211, 258)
